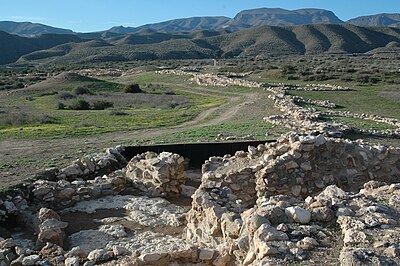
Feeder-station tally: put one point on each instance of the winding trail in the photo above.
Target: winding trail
(29, 156)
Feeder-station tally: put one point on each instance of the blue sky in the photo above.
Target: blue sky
(96, 15)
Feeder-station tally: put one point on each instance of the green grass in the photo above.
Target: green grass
(77, 123)
(255, 128)
(358, 122)
(364, 99)
(71, 123)
(160, 78)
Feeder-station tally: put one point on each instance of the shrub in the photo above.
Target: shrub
(60, 106)
(65, 96)
(132, 88)
(82, 91)
(101, 105)
(80, 105)
(118, 112)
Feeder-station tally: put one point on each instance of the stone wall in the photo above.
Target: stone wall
(157, 174)
(268, 204)
(299, 118)
(297, 166)
(303, 165)
(88, 177)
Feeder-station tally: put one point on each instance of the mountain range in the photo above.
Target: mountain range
(243, 20)
(258, 42)
(252, 33)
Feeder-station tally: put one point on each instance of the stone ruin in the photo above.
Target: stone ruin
(157, 174)
(302, 199)
(294, 116)
(290, 193)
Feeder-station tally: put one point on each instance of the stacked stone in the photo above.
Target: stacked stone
(226, 190)
(310, 163)
(221, 80)
(63, 193)
(305, 120)
(11, 206)
(157, 174)
(100, 72)
(88, 166)
(309, 87)
(87, 178)
(326, 104)
(286, 174)
(51, 228)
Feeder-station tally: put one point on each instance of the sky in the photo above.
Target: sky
(97, 15)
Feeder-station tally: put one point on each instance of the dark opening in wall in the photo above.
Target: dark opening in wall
(197, 153)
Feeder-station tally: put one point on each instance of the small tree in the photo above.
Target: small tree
(81, 91)
(80, 105)
(132, 88)
(101, 105)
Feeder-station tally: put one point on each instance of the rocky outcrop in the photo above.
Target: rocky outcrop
(157, 174)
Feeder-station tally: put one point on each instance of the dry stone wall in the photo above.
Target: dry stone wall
(288, 191)
(299, 118)
(157, 174)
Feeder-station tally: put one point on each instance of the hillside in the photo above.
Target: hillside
(28, 29)
(391, 20)
(13, 46)
(243, 20)
(255, 42)
(176, 25)
(283, 17)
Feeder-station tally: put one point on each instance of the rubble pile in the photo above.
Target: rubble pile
(157, 174)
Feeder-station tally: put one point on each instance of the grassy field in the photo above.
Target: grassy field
(230, 131)
(34, 114)
(362, 99)
(36, 133)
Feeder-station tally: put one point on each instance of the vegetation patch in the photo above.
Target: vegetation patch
(251, 130)
(359, 123)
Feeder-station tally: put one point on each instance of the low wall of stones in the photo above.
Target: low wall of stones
(296, 117)
(88, 177)
(303, 165)
(249, 202)
(297, 166)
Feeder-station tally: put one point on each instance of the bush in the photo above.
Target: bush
(82, 91)
(80, 105)
(101, 105)
(132, 88)
(118, 112)
(65, 96)
(60, 106)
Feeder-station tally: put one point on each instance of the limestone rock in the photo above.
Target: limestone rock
(206, 254)
(30, 260)
(74, 261)
(45, 214)
(113, 230)
(298, 214)
(267, 233)
(100, 255)
(52, 230)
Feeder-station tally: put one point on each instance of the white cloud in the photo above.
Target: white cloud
(27, 18)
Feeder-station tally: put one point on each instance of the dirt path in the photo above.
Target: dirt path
(20, 159)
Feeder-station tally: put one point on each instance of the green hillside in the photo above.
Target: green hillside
(150, 45)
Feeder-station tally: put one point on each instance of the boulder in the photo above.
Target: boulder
(298, 214)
